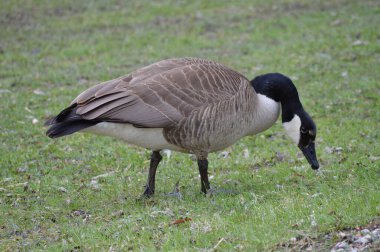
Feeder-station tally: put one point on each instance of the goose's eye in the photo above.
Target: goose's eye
(303, 130)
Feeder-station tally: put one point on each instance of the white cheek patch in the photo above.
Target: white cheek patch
(292, 128)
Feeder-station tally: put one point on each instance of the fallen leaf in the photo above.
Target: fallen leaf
(336, 22)
(3, 91)
(180, 221)
(359, 42)
(21, 169)
(38, 92)
(80, 213)
(330, 150)
(62, 189)
(95, 185)
(118, 213)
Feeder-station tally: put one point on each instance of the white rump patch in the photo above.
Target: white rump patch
(150, 138)
(292, 128)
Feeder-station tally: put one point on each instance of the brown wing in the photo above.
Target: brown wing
(160, 94)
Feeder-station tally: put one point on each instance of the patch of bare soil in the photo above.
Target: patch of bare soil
(364, 238)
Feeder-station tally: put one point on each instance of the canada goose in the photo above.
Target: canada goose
(189, 105)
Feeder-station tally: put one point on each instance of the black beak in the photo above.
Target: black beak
(311, 156)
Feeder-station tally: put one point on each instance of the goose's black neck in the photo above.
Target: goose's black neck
(280, 88)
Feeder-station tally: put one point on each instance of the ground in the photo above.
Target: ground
(82, 193)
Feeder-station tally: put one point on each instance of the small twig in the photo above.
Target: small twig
(298, 174)
(103, 175)
(19, 184)
(219, 242)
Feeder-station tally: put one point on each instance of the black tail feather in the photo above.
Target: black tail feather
(69, 127)
(65, 115)
(67, 122)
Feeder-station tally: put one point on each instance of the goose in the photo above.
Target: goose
(188, 105)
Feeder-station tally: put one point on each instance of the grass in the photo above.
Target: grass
(52, 50)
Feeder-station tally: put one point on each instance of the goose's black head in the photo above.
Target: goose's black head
(297, 123)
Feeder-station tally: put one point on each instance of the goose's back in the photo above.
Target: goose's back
(163, 94)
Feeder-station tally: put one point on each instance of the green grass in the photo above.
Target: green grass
(52, 50)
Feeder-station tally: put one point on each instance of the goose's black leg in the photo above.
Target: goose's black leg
(155, 159)
(203, 165)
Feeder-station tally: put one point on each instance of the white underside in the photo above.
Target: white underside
(150, 138)
(264, 116)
